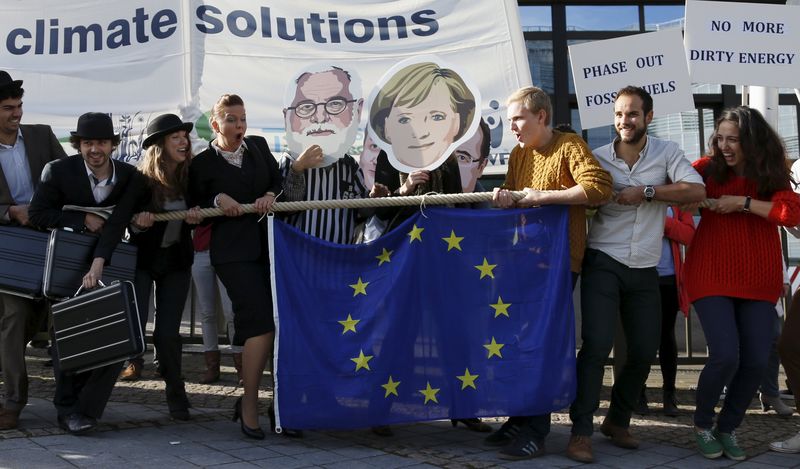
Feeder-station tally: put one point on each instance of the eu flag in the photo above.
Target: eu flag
(455, 314)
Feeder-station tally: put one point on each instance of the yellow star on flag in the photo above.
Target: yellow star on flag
(349, 324)
(429, 393)
(362, 361)
(390, 387)
(494, 348)
(415, 233)
(384, 257)
(486, 268)
(359, 287)
(467, 380)
(453, 241)
(500, 307)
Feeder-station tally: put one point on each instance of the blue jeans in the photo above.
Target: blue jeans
(739, 334)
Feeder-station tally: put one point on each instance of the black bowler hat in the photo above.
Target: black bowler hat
(95, 126)
(162, 125)
(6, 81)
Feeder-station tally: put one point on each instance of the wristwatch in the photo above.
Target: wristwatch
(649, 193)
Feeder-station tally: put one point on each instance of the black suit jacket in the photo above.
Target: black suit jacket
(41, 147)
(65, 182)
(139, 198)
(235, 239)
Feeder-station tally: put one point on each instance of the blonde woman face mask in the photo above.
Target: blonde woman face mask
(420, 134)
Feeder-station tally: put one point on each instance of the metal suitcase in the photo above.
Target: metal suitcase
(97, 328)
(69, 257)
(22, 256)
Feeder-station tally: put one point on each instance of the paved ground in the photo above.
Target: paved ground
(136, 432)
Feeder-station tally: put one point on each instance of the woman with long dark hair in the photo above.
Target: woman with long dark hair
(164, 249)
(733, 269)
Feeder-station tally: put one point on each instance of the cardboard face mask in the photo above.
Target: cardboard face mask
(420, 112)
(322, 107)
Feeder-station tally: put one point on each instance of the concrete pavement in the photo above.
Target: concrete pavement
(136, 432)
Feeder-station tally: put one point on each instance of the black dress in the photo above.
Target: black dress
(239, 250)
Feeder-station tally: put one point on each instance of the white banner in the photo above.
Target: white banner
(655, 61)
(136, 59)
(743, 43)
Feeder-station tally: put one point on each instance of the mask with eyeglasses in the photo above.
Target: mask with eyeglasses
(333, 106)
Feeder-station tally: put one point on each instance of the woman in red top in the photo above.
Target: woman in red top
(733, 268)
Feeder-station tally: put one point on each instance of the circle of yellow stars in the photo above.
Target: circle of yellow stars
(493, 348)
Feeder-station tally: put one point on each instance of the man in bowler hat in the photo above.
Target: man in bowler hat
(89, 179)
(24, 150)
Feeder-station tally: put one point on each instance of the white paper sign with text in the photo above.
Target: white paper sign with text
(743, 43)
(654, 61)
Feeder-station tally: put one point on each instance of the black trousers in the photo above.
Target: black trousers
(86, 393)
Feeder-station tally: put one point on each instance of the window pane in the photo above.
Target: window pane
(708, 128)
(706, 88)
(681, 128)
(787, 127)
(535, 18)
(603, 18)
(660, 17)
(540, 59)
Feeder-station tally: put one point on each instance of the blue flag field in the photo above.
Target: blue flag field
(455, 314)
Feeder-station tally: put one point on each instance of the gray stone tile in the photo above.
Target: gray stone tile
(31, 458)
(357, 464)
(390, 461)
(698, 460)
(208, 458)
(283, 462)
(290, 449)
(253, 453)
(226, 445)
(776, 459)
(319, 458)
(235, 465)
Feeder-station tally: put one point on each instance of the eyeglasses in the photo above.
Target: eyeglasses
(333, 106)
(465, 158)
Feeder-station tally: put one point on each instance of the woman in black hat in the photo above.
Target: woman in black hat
(165, 251)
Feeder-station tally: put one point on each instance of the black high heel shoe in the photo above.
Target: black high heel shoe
(255, 433)
(287, 432)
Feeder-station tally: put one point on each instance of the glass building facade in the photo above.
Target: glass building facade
(550, 27)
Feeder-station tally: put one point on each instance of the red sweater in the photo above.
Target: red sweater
(738, 254)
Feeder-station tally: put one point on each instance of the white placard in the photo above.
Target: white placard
(743, 43)
(138, 59)
(654, 61)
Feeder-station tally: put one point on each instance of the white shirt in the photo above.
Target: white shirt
(632, 234)
(101, 188)
(17, 170)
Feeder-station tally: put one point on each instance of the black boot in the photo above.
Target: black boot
(641, 406)
(670, 403)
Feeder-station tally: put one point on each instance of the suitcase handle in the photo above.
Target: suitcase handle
(99, 282)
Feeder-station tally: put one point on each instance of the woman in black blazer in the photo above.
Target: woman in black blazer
(164, 249)
(235, 170)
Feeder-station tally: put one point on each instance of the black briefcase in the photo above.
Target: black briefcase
(69, 257)
(22, 255)
(97, 328)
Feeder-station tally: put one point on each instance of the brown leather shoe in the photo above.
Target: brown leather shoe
(9, 419)
(132, 372)
(212, 367)
(579, 448)
(619, 436)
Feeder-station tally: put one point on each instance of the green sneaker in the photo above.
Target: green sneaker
(707, 443)
(730, 446)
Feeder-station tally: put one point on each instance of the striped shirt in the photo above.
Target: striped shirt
(340, 180)
(632, 234)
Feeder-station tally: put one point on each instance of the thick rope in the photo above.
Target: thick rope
(427, 199)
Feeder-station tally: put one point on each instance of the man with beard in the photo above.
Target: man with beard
(24, 150)
(323, 109)
(619, 275)
(89, 179)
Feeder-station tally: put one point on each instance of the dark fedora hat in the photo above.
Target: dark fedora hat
(95, 125)
(162, 125)
(6, 81)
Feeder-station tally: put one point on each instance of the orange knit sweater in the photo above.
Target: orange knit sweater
(738, 254)
(566, 162)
